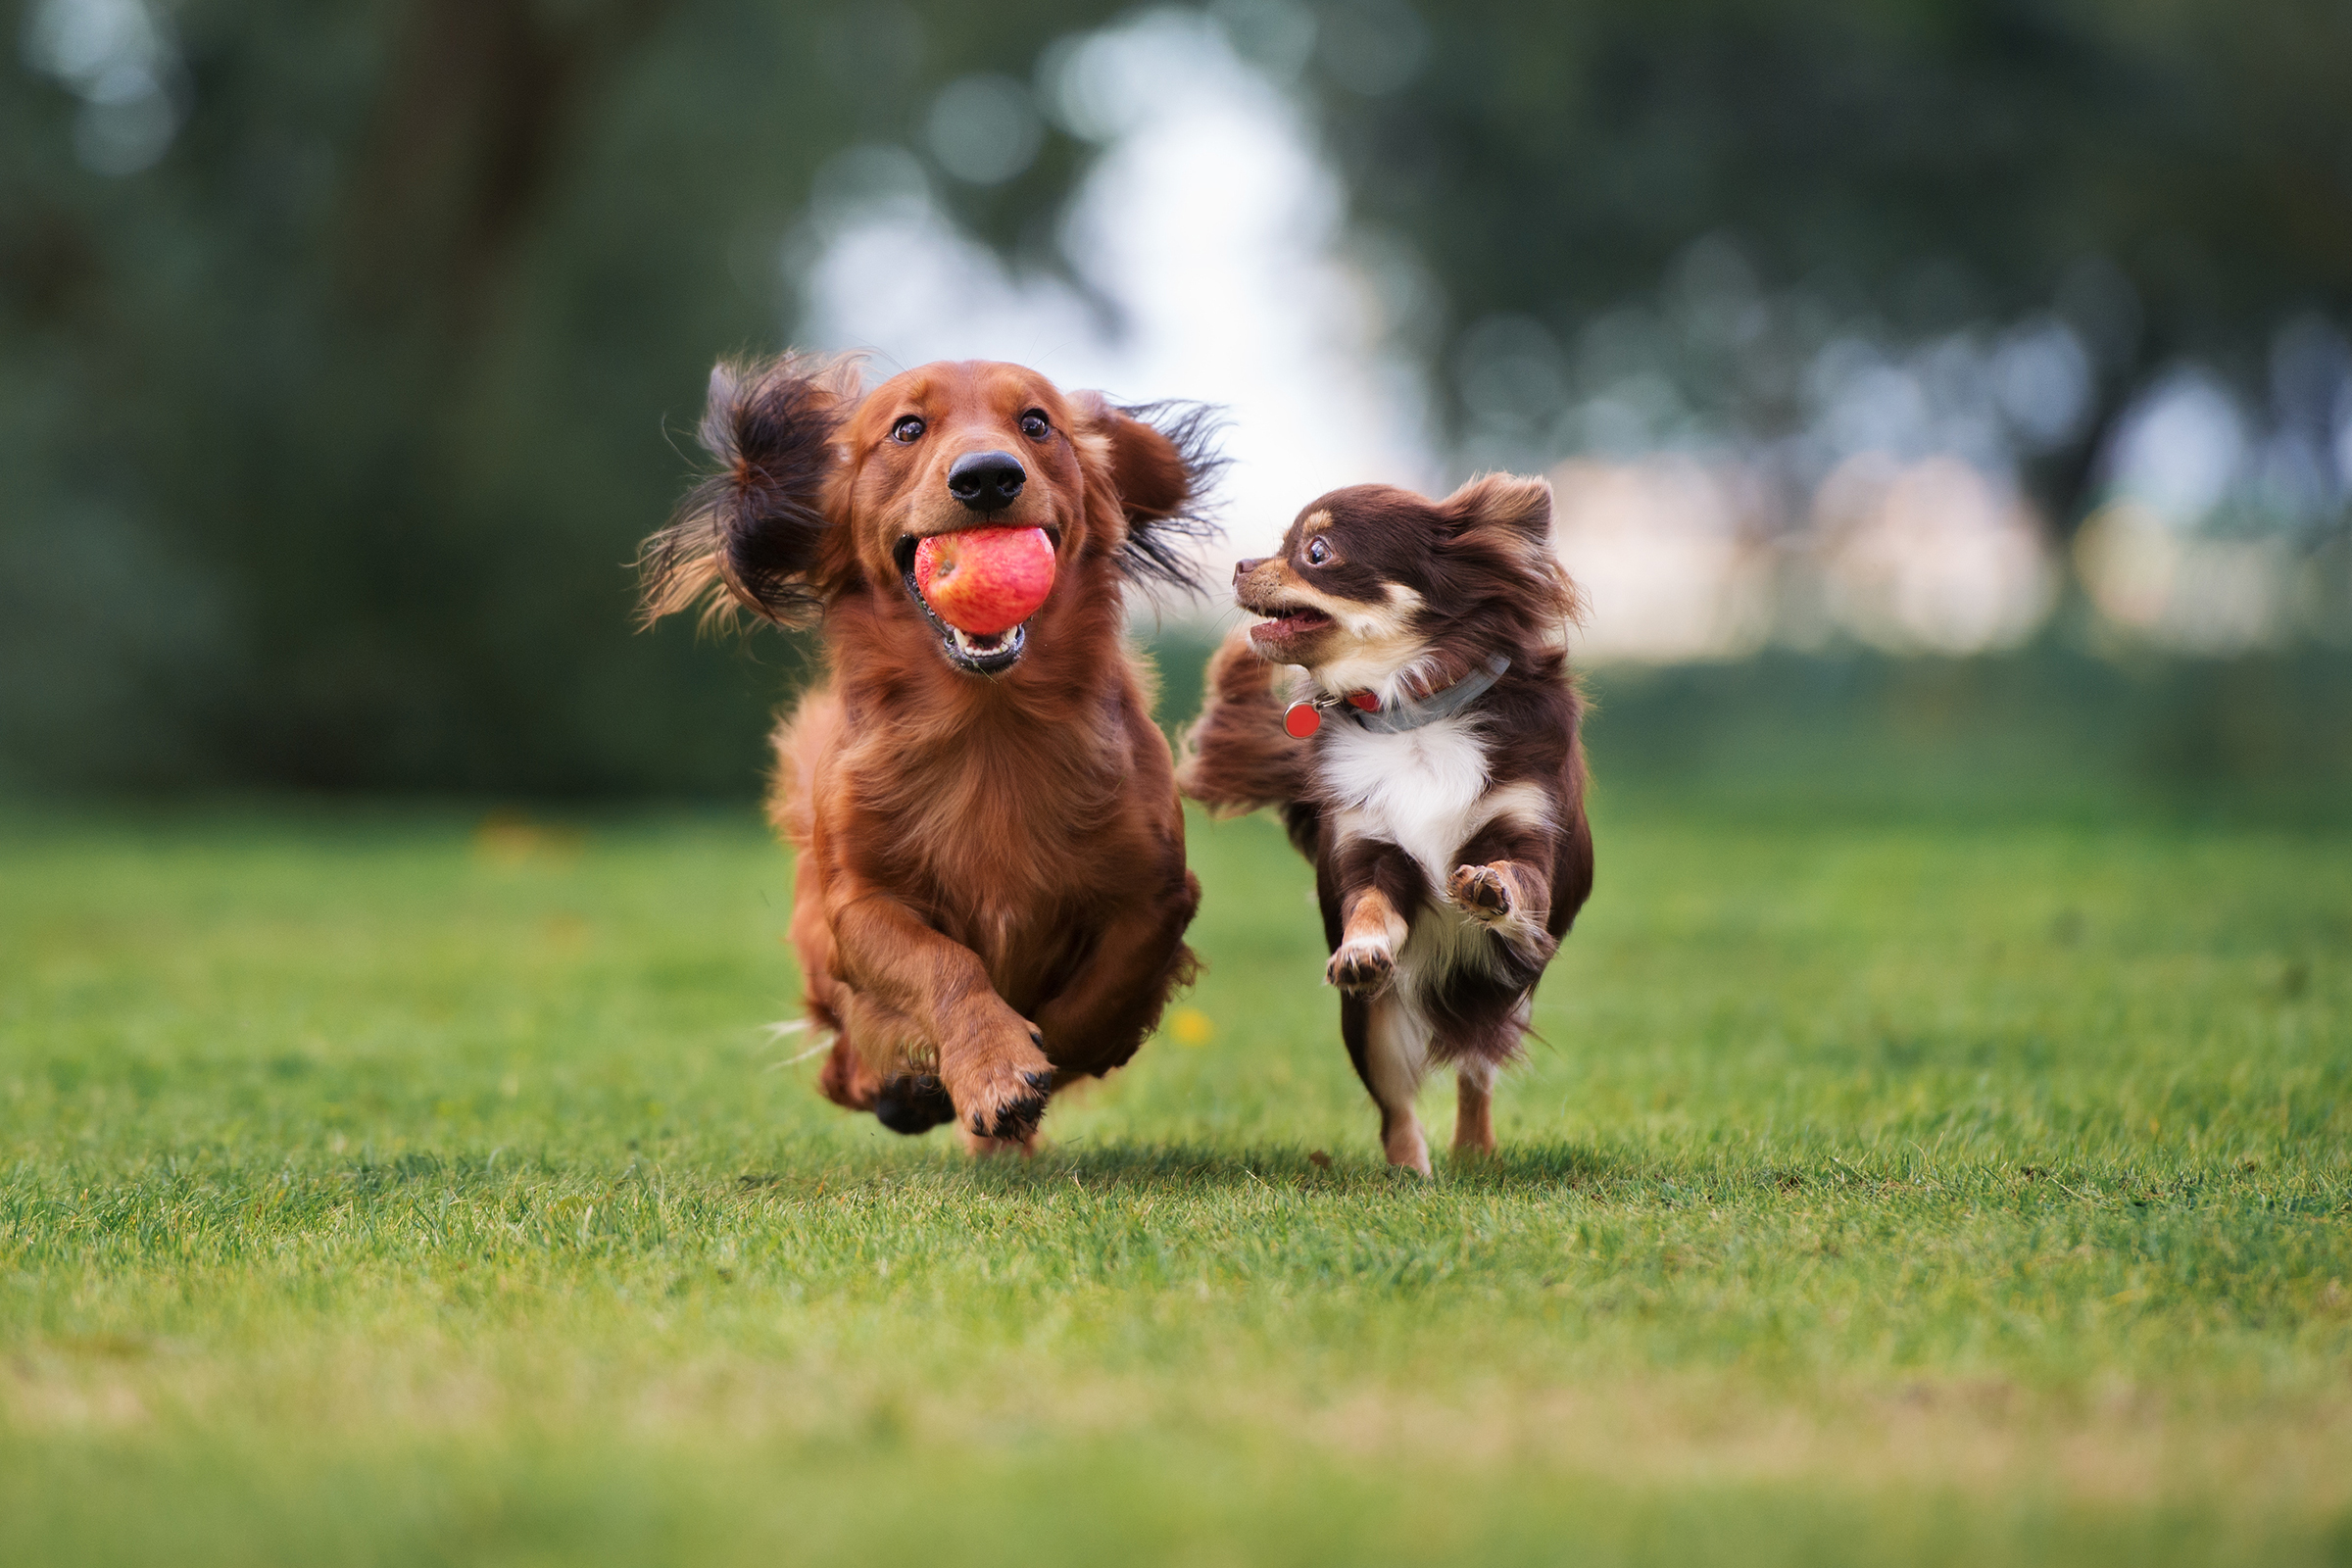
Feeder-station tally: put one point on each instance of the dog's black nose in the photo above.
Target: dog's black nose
(986, 481)
(1243, 569)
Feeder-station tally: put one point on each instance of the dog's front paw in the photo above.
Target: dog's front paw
(1482, 893)
(1362, 967)
(1001, 1094)
(912, 1103)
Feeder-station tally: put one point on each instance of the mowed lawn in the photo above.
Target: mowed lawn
(401, 1188)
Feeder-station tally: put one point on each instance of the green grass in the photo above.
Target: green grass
(377, 1189)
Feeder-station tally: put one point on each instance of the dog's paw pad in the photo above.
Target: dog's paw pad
(1006, 1099)
(1479, 891)
(1361, 968)
(1016, 1121)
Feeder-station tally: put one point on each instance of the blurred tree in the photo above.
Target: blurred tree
(336, 342)
(336, 346)
(2169, 178)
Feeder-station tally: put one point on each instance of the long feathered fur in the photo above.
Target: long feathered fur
(1161, 543)
(747, 536)
(1235, 758)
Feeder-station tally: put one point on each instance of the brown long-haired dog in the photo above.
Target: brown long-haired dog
(992, 896)
(1429, 765)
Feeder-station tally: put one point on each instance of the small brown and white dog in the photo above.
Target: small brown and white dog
(991, 894)
(1429, 765)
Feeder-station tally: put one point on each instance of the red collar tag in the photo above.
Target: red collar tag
(1305, 716)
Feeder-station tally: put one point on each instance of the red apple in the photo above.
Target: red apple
(985, 580)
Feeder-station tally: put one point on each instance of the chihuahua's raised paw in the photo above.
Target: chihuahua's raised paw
(1362, 967)
(1483, 892)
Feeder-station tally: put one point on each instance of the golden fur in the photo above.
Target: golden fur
(991, 895)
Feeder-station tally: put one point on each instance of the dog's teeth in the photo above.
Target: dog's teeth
(983, 646)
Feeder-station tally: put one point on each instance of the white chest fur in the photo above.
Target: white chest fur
(1423, 790)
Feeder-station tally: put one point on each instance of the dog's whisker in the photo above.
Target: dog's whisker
(824, 1044)
(789, 1027)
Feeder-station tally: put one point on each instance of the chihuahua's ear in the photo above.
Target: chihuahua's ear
(1502, 522)
(1161, 461)
(757, 534)
(1508, 506)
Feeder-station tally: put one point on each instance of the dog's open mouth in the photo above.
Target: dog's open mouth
(1288, 624)
(979, 653)
(982, 648)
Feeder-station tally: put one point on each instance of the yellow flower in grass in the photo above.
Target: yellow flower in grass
(1190, 1026)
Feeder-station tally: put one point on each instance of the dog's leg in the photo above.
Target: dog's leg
(1504, 883)
(1509, 897)
(1396, 1058)
(1105, 1010)
(1379, 887)
(1365, 961)
(1474, 1108)
(846, 1079)
(908, 1103)
(866, 1070)
(868, 1067)
(991, 1058)
(1374, 887)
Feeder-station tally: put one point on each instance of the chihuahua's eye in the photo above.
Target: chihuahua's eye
(1317, 551)
(906, 429)
(1034, 426)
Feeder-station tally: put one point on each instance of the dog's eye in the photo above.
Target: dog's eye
(906, 429)
(1317, 551)
(1034, 426)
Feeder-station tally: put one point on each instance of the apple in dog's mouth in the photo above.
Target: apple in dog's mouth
(979, 587)
(1285, 629)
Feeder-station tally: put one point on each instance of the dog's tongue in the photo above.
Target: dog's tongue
(985, 580)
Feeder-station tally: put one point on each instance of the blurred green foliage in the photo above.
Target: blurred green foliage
(325, 440)
(2169, 178)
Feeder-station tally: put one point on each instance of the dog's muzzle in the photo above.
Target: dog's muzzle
(975, 654)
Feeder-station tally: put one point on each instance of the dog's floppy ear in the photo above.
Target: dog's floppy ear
(755, 534)
(1161, 460)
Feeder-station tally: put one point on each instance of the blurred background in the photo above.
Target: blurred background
(1947, 398)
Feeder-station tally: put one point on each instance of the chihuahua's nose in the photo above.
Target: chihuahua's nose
(986, 481)
(1243, 569)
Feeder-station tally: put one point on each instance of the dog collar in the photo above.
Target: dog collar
(1305, 716)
